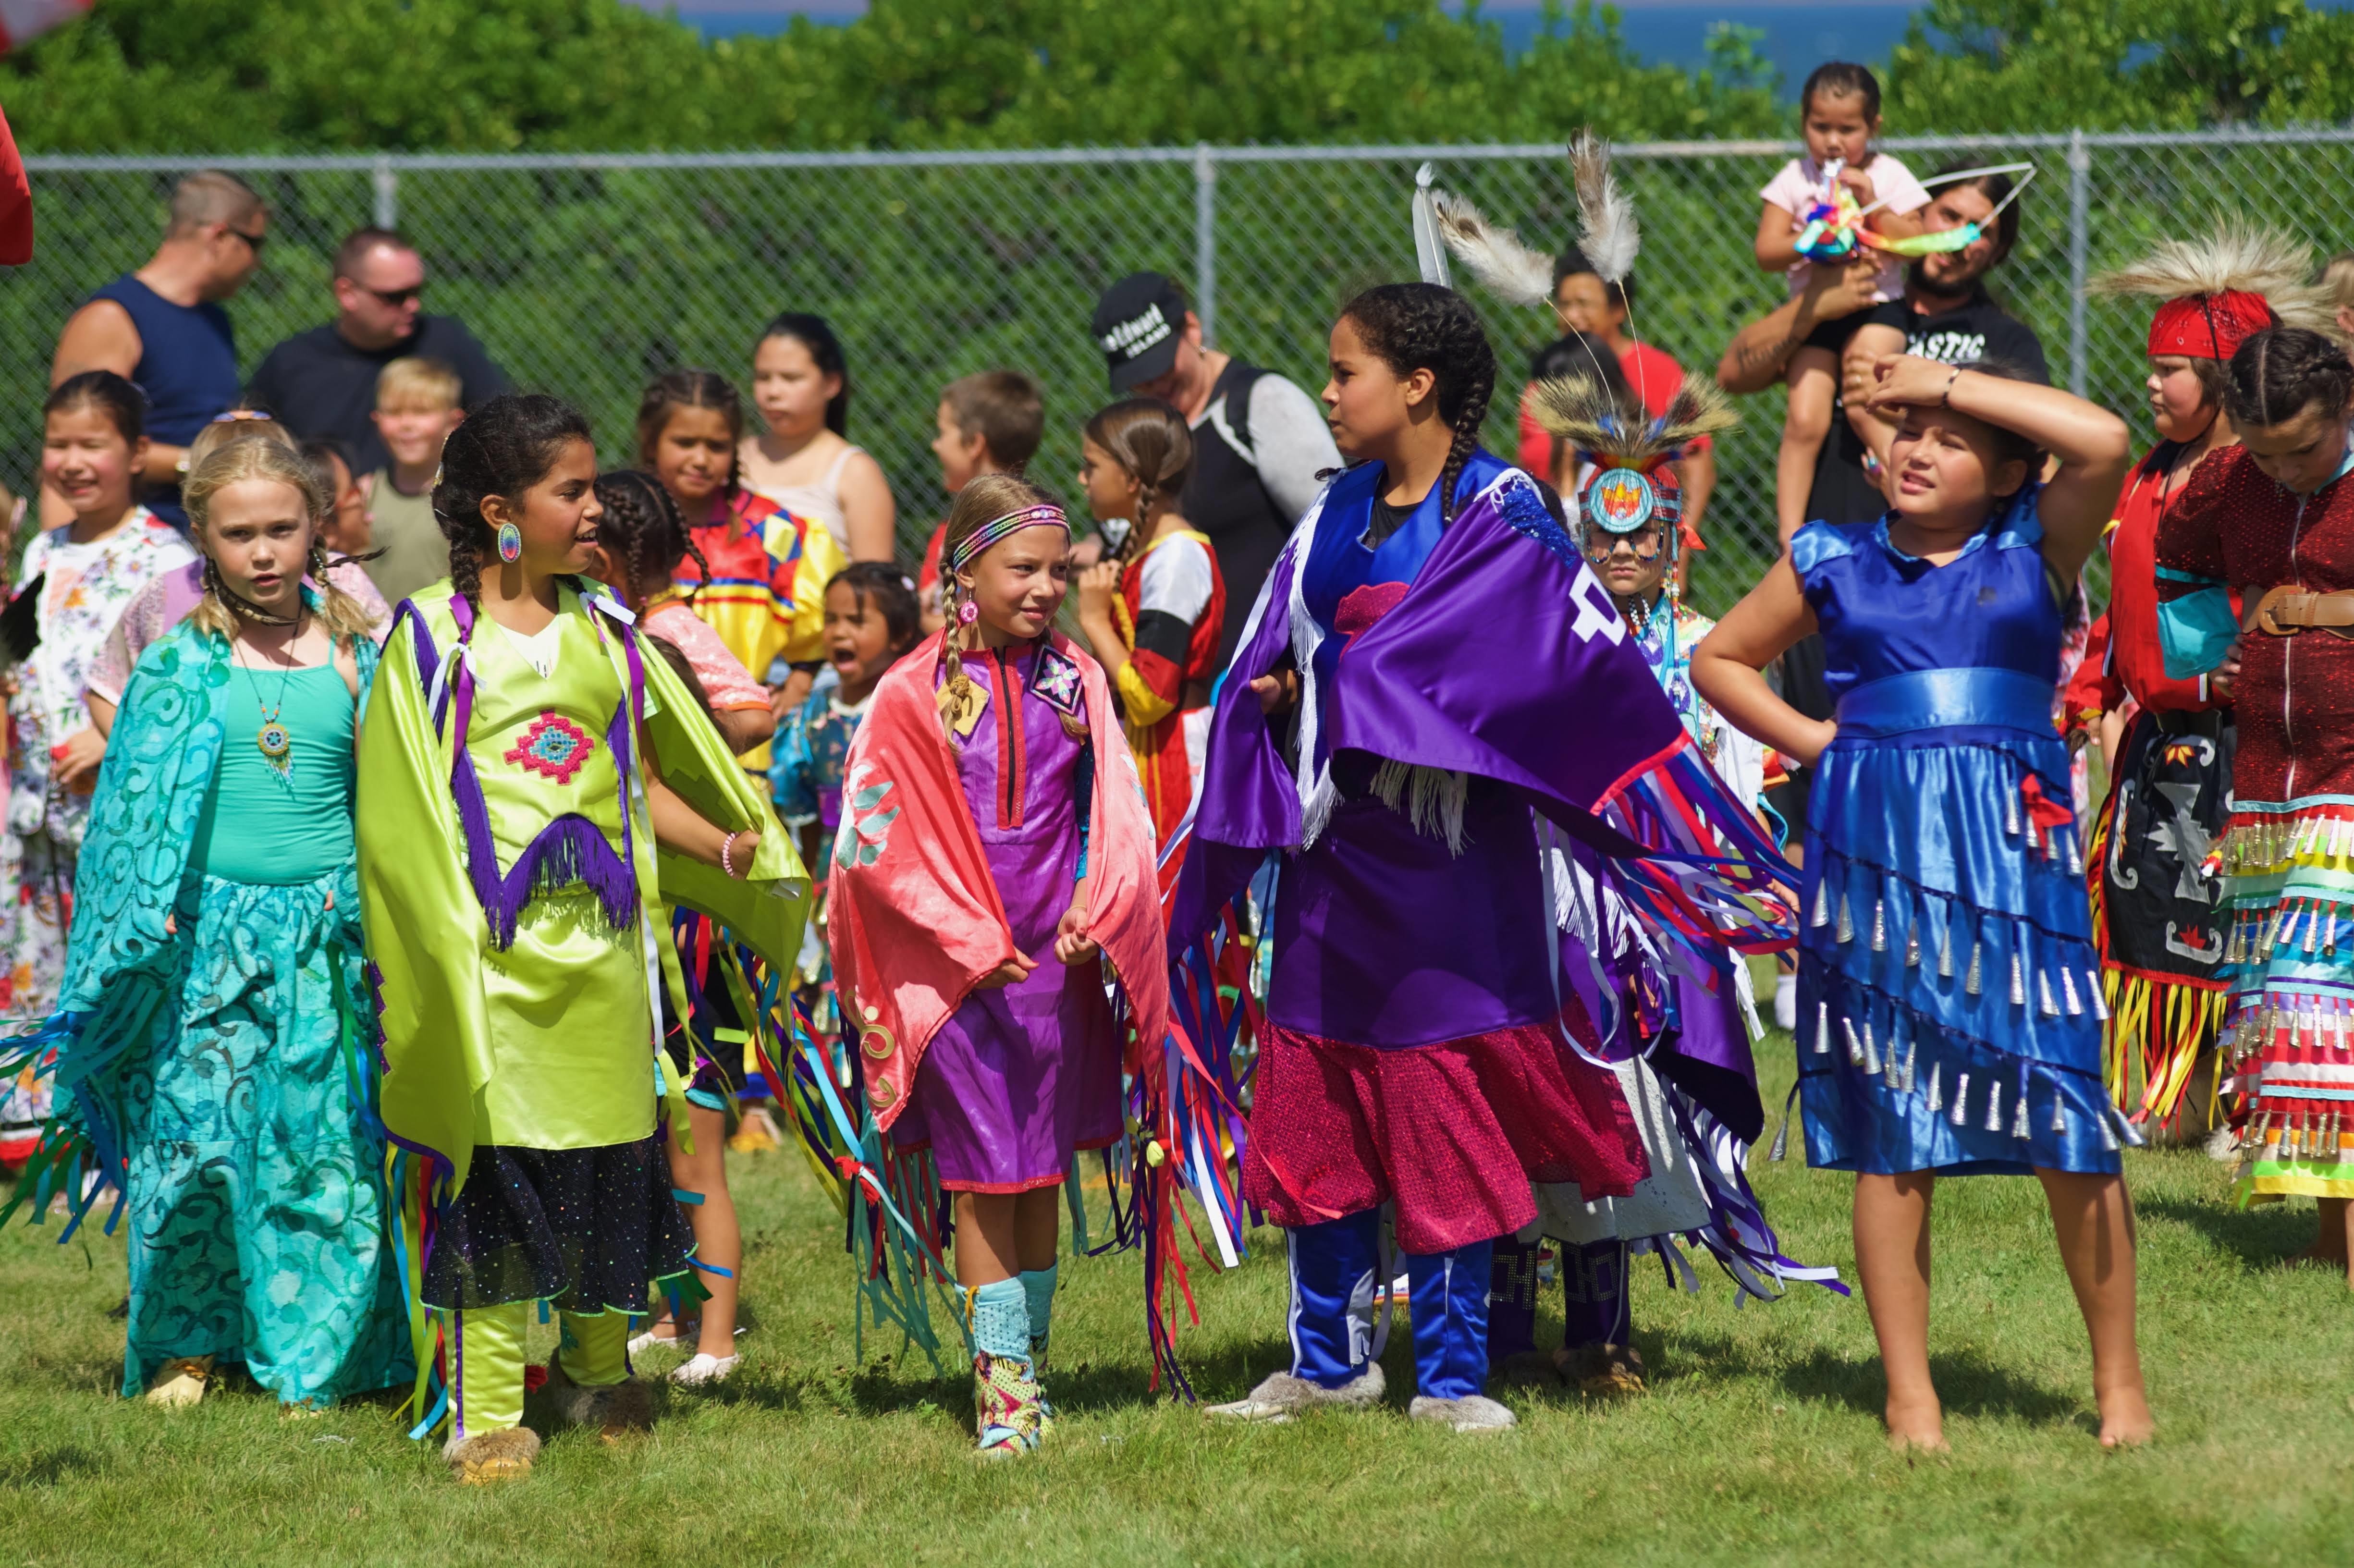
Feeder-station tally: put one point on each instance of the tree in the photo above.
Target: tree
(2103, 65)
(304, 75)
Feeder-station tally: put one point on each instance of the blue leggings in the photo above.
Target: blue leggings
(1335, 1275)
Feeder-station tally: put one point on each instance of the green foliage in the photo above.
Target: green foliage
(306, 75)
(2114, 65)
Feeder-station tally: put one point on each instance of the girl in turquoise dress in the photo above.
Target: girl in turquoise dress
(1948, 993)
(213, 1022)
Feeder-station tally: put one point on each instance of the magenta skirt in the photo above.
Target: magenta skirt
(1453, 1132)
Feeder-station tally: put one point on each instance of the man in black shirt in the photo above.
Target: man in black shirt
(322, 381)
(1259, 440)
(1946, 315)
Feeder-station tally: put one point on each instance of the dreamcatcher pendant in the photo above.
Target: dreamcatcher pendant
(277, 744)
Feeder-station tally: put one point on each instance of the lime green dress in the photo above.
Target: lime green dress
(514, 899)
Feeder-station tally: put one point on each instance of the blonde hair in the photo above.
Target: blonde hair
(415, 382)
(238, 425)
(984, 498)
(231, 461)
(2337, 279)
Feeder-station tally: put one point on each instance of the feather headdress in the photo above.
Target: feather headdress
(2232, 258)
(1497, 256)
(1608, 232)
(1616, 431)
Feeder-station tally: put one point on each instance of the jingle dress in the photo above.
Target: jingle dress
(1949, 1012)
(2289, 858)
(514, 891)
(213, 1027)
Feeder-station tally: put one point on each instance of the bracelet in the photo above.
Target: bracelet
(726, 860)
(1946, 398)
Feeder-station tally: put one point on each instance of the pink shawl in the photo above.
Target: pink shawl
(913, 916)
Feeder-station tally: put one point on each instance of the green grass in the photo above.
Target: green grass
(1759, 1443)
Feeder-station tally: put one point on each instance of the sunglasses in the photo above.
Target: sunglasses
(394, 298)
(1599, 546)
(253, 242)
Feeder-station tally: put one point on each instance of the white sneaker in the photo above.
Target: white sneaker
(1785, 1002)
(704, 1368)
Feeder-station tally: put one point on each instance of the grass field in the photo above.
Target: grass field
(1759, 1443)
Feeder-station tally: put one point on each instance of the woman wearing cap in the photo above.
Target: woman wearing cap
(2155, 903)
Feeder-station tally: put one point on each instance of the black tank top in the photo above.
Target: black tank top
(1225, 500)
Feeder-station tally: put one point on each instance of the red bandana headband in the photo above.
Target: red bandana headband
(2209, 326)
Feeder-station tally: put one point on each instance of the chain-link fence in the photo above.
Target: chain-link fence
(586, 275)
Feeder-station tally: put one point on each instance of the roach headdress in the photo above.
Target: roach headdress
(2223, 288)
(1633, 481)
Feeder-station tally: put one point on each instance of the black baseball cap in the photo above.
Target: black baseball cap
(1137, 322)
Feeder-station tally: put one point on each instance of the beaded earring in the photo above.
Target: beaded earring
(510, 543)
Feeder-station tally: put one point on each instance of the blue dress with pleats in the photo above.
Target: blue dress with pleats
(1948, 993)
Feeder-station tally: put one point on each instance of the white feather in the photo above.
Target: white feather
(1495, 256)
(1608, 232)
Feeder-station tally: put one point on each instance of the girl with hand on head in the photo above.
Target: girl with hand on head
(759, 571)
(1948, 1004)
(1155, 610)
(803, 459)
(218, 973)
(994, 854)
(536, 789)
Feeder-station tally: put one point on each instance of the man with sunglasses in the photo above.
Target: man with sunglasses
(164, 328)
(322, 383)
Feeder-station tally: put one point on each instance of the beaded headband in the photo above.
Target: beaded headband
(998, 528)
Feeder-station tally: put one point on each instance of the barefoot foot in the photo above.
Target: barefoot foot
(2126, 1420)
(1916, 1425)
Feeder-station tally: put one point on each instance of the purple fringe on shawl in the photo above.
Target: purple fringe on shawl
(569, 850)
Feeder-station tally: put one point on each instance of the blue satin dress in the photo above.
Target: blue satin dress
(1949, 1011)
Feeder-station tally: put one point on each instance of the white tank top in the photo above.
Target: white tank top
(821, 502)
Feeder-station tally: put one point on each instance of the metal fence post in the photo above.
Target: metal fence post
(2080, 201)
(387, 195)
(1206, 241)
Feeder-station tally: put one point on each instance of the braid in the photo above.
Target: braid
(1146, 497)
(695, 554)
(1421, 326)
(466, 572)
(1466, 422)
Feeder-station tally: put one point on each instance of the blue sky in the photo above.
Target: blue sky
(1796, 35)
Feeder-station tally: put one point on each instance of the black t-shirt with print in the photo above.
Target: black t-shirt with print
(1976, 329)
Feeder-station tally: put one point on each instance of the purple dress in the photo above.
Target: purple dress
(1020, 1078)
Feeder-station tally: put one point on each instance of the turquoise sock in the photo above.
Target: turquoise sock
(1001, 1319)
(1038, 1286)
